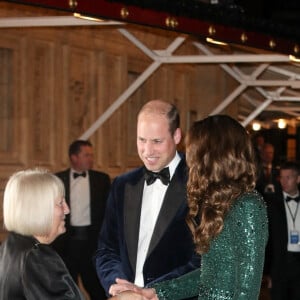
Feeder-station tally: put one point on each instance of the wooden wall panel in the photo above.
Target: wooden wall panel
(40, 96)
(6, 94)
(99, 105)
(132, 108)
(78, 66)
(115, 84)
(11, 116)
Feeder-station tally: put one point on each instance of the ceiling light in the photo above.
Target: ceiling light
(212, 41)
(281, 124)
(79, 16)
(256, 126)
(294, 58)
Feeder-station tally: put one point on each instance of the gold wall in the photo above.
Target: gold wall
(56, 81)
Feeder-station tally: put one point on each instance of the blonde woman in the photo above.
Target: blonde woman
(34, 214)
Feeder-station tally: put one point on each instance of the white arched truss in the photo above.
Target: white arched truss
(259, 92)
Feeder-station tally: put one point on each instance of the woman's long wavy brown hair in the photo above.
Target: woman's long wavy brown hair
(221, 162)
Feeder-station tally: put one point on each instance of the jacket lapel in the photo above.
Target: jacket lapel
(175, 197)
(132, 209)
(283, 217)
(66, 180)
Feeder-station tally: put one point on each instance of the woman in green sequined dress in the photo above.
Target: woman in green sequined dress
(227, 216)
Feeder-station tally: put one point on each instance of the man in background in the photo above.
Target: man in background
(282, 264)
(258, 143)
(268, 173)
(86, 194)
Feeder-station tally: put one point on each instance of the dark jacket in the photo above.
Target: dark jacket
(262, 183)
(276, 251)
(99, 189)
(30, 270)
(171, 250)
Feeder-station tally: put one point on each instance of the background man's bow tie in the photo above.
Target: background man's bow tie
(75, 175)
(163, 175)
(288, 198)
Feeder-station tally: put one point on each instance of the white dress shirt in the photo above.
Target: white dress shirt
(292, 212)
(153, 196)
(80, 214)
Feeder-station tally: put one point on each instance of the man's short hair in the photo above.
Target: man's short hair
(75, 147)
(290, 165)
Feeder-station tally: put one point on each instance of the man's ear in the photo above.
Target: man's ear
(73, 158)
(177, 136)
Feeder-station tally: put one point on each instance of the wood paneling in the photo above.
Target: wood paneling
(56, 82)
(39, 71)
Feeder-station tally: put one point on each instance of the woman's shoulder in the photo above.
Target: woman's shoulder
(18, 245)
(46, 274)
(250, 203)
(251, 199)
(43, 252)
(249, 214)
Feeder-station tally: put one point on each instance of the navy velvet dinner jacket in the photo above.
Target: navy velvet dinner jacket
(171, 251)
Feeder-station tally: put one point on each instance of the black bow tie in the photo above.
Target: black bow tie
(288, 198)
(75, 175)
(163, 175)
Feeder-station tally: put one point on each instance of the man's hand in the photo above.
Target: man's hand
(123, 285)
(128, 295)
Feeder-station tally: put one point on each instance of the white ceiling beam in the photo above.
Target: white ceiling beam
(292, 99)
(120, 100)
(138, 43)
(128, 92)
(229, 99)
(233, 72)
(49, 21)
(222, 59)
(285, 72)
(273, 107)
(236, 73)
(166, 56)
(256, 112)
(290, 83)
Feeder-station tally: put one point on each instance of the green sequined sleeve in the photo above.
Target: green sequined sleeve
(185, 286)
(251, 234)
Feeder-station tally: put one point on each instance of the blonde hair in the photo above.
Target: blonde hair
(28, 203)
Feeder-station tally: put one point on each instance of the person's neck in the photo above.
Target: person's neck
(293, 193)
(43, 239)
(78, 170)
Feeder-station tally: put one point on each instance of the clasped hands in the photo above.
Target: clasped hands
(125, 290)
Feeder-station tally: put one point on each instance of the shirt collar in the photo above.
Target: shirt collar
(286, 195)
(173, 164)
(74, 171)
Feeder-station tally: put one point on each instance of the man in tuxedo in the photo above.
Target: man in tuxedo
(144, 237)
(86, 194)
(282, 264)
